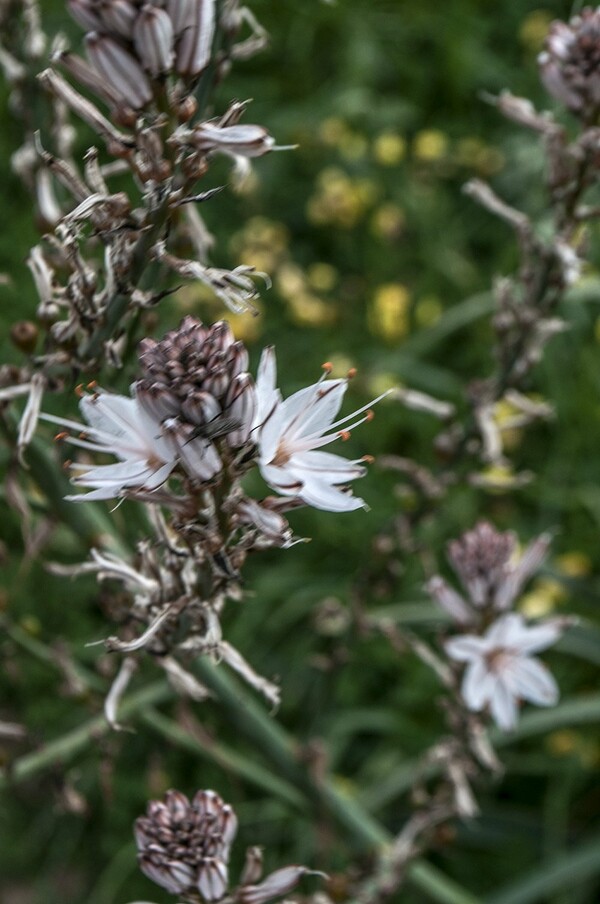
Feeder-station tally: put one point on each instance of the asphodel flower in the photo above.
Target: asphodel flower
(501, 669)
(119, 426)
(292, 431)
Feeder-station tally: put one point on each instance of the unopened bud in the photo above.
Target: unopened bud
(195, 42)
(85, 13)
(24, 334)
(119, 15)
(153, 39)
(120, 69)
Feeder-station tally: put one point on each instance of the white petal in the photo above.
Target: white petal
(312, 410)
(280, 479)
(507, 631)
(503, 706)
(478, 685)
(533, 681)
(109, 413)
(271, 434)
(538, 637)
(334, 468)
(321, 495)
(466, 647)
(267, 394)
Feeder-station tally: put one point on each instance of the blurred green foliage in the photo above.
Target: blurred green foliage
(378, 261)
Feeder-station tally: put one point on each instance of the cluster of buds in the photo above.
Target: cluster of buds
(500, 668)
(133, 46)
(184, 845)
(570, 64)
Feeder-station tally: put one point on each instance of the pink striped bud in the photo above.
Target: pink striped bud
(85, 13)
(119, 16)
(153, 39)
(240, 140)
(195, 40)
(120, 69)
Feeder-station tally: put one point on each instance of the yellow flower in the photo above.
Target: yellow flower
(574, 564)
(388, 221)
(430, 145)
(542, 599)
(322, 277)
(389, 148)
(388, 313)
(534, 29)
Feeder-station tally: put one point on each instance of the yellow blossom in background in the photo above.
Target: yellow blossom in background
(339, 200)
(388, 314)
(244, 326)
(504, 412)
(353, 146)
(310, 310)
(340, 364)
(430, 145)
(305, 307)
(389, 148)
(567, 742)
(499, 479)
(388, 221)
(333, 131)
(289, 280)
(534, 29)
(322, 277)
(542, 599)
(574, 564)
(428, 311)
(381, 382)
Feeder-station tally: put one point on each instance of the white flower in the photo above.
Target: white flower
(501, 670)
(291, 431)
(119, 426)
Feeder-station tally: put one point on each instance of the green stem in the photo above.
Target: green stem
(251, 721)
(67, 746)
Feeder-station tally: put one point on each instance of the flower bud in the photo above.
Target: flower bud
(24, 334)
(119, 16)
(194, 44)
(120, 69)
(85, 13)
(153, 39)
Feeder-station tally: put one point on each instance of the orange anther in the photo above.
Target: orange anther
(92, 384)
(369, 415)
(79, 390)
(61, 436)
(351, 373)
(344, 435)
(67, 464)
(327, 367)
(368, 459)
(83, 435)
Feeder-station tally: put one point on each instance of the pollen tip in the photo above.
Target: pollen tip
(67, 464)
(79, 390)
(344, 435)
(370, 415)
(83, 435)
(368, 459)
(327, 367)
(351, 373)
(60, 436)
(92, 384)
